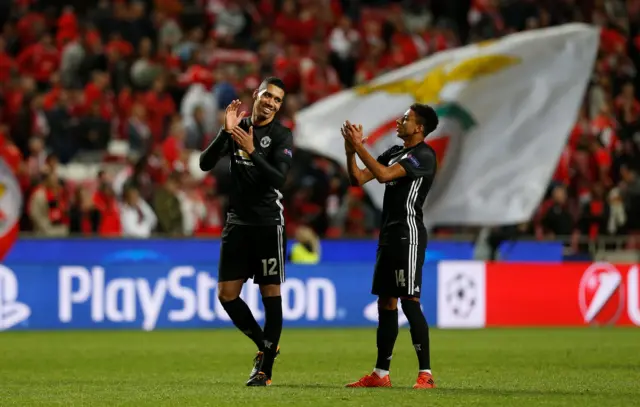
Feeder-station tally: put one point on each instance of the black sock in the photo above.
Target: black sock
(272, 331)
(386, 336)
(419, 332)
(244, 320)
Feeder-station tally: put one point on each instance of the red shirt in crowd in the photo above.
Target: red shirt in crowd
(67, 27)
(26, 27)
(39, 61)
(107, 204)
(94, 94)
(7, 65)
(160, 107)
(319, 82)
(563, 169)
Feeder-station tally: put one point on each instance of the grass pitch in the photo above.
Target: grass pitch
(493, 367)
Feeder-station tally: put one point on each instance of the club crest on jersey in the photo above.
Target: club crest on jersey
(265, 142)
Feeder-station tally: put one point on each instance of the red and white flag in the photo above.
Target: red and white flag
(506, 109)
(10, 208)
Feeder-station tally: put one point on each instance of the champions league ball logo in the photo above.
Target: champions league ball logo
(461, 295)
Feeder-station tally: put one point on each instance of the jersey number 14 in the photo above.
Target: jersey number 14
(400, 281)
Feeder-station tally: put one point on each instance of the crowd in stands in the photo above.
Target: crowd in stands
(127, 92)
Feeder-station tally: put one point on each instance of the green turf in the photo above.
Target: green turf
(497, 367)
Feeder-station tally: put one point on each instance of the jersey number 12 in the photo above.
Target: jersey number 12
(269, 267)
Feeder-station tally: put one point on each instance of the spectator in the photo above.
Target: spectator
(594, 213)
(83, 215)
(144, 71)
(630, 194)
(7, 63)
(160, 108)
(196, 130)
(231, 20)
(617, 215)
(306, 250)
(319, 79)
(344, 42)
(106, 202)
(167, 207)
(224, 91)
(198, 95)
(212, 221)
(93, 132)
(356, 217)
(40, 61)
(192, 207)
(36, 162)
(48, 207)
(557, 220)
(138, 130)
(73, 83)
(173, 146)
(138, 219)
(169, 31)
(61, 125)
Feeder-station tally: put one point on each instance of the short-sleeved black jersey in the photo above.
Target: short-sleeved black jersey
(252, 200)
(402, 221)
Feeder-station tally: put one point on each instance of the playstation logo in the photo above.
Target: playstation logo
(12, 312)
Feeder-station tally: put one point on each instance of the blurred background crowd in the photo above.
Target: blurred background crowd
(105, 106)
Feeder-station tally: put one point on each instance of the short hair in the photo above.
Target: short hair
(426, 116)
(272, 80)
(129, 187)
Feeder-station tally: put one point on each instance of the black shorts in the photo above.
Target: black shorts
(256, 252)
(398, 271)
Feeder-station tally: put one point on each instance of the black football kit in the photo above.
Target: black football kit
(403, 236)
(253, 239)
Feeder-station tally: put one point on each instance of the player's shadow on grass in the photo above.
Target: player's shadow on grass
(463, 391)
(524, 392)
(307, 386)
(325, 386)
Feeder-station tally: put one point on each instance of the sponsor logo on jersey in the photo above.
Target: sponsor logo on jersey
(242, 157)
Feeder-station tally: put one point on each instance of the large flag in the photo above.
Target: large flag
(10, 208)
(506, 108)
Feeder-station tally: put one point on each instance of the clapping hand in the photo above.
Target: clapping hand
(231, 115)
(243, 139)
(353, 136)
(348, 147)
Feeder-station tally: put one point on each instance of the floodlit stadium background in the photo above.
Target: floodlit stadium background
(98, 95)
